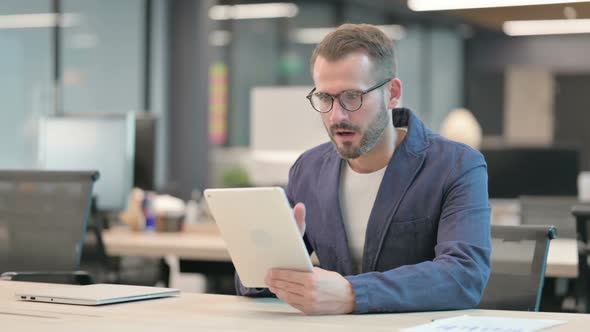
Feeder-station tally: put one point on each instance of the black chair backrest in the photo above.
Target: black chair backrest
(519, 259)
(582, 214)
(550, 210)
(43, 217)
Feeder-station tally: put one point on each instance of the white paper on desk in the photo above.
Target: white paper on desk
(485, 324)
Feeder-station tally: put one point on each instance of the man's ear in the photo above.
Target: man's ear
(394, 87)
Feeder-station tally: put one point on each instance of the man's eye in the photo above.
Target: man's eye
(324, 97)
(351, 95)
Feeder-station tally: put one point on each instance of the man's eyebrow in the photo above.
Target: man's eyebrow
(323, 92)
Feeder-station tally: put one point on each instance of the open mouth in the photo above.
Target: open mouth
(345, 133)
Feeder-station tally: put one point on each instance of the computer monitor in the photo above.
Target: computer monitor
(103, 142)
(517, 171)
(145, 151)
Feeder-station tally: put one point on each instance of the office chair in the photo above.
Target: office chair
(519, 258)
(549, 210)
(94, 258)
(43, 218)
(582, 214)
(103, 268)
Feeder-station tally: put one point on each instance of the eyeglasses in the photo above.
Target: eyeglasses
(350, 100)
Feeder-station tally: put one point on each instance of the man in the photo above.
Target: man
(398, 216)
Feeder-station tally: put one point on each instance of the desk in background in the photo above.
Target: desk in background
(204, 243)
(199, 249)
(199, 242)
(205, 312)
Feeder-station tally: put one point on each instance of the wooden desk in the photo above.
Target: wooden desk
(201, 242)
(203, 312)
(204, 243)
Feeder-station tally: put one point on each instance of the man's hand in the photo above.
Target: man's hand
(314, 293)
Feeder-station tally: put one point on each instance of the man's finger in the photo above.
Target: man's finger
(299, 307)
(288, 275)
(290, 298)
(288, 286)
(299, 212)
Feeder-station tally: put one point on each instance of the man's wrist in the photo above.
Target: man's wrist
(351, 299)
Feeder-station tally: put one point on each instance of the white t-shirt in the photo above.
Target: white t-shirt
(358, 192)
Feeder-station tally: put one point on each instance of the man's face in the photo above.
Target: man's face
(353, 133)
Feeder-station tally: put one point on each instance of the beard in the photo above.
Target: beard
(369, 138)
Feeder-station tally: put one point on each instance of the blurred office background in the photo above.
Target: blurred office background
(180, 95)
(210, 72)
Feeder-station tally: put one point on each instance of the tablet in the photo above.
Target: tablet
(259, 229)
(96, 294)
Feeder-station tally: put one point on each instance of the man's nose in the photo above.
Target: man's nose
(338, 113)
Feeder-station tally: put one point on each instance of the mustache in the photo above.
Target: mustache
(344, 126)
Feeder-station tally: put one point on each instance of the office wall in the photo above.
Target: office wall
(253, 62)
(102, 56)
(26, 83)
(572, 109)
(297, 55)
(431, 66)
(528, 106)
(484, 97)
(489, 55)
(412, 70)
(280, 135)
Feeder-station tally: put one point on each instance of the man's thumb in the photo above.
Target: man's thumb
(299, 212)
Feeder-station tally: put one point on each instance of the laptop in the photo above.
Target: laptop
(96, 294)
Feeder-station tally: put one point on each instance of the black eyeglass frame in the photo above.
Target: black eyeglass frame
(362, 93)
